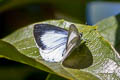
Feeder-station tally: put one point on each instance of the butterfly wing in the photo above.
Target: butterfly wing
(51, 41)
(73, 40)
(73, 44)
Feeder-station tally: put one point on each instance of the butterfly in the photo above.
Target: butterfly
(55, 43)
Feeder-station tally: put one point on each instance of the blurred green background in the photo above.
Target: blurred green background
(15, 14)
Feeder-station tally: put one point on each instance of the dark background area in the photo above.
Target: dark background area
(19, 13)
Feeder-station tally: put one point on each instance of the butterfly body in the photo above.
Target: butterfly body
(55, 43)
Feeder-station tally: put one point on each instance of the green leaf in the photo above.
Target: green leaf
(12, 53)
(96, 58)
(54, 77)
(110, 30)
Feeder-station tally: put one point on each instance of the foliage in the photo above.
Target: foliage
(96, 59)
(20, 46)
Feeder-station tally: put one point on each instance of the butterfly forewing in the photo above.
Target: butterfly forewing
(51, 41)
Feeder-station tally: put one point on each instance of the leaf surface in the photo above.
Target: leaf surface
(96, 58)
(109, 28)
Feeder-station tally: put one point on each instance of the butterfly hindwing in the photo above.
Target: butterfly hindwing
(51, 41)
(73, 35)
(72, 56)
(73, 40)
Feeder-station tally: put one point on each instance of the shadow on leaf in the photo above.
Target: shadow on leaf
(117, 38)
(80, 58)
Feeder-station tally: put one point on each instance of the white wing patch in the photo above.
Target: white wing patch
(55, 46)
(52, 39)
(54, 56)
